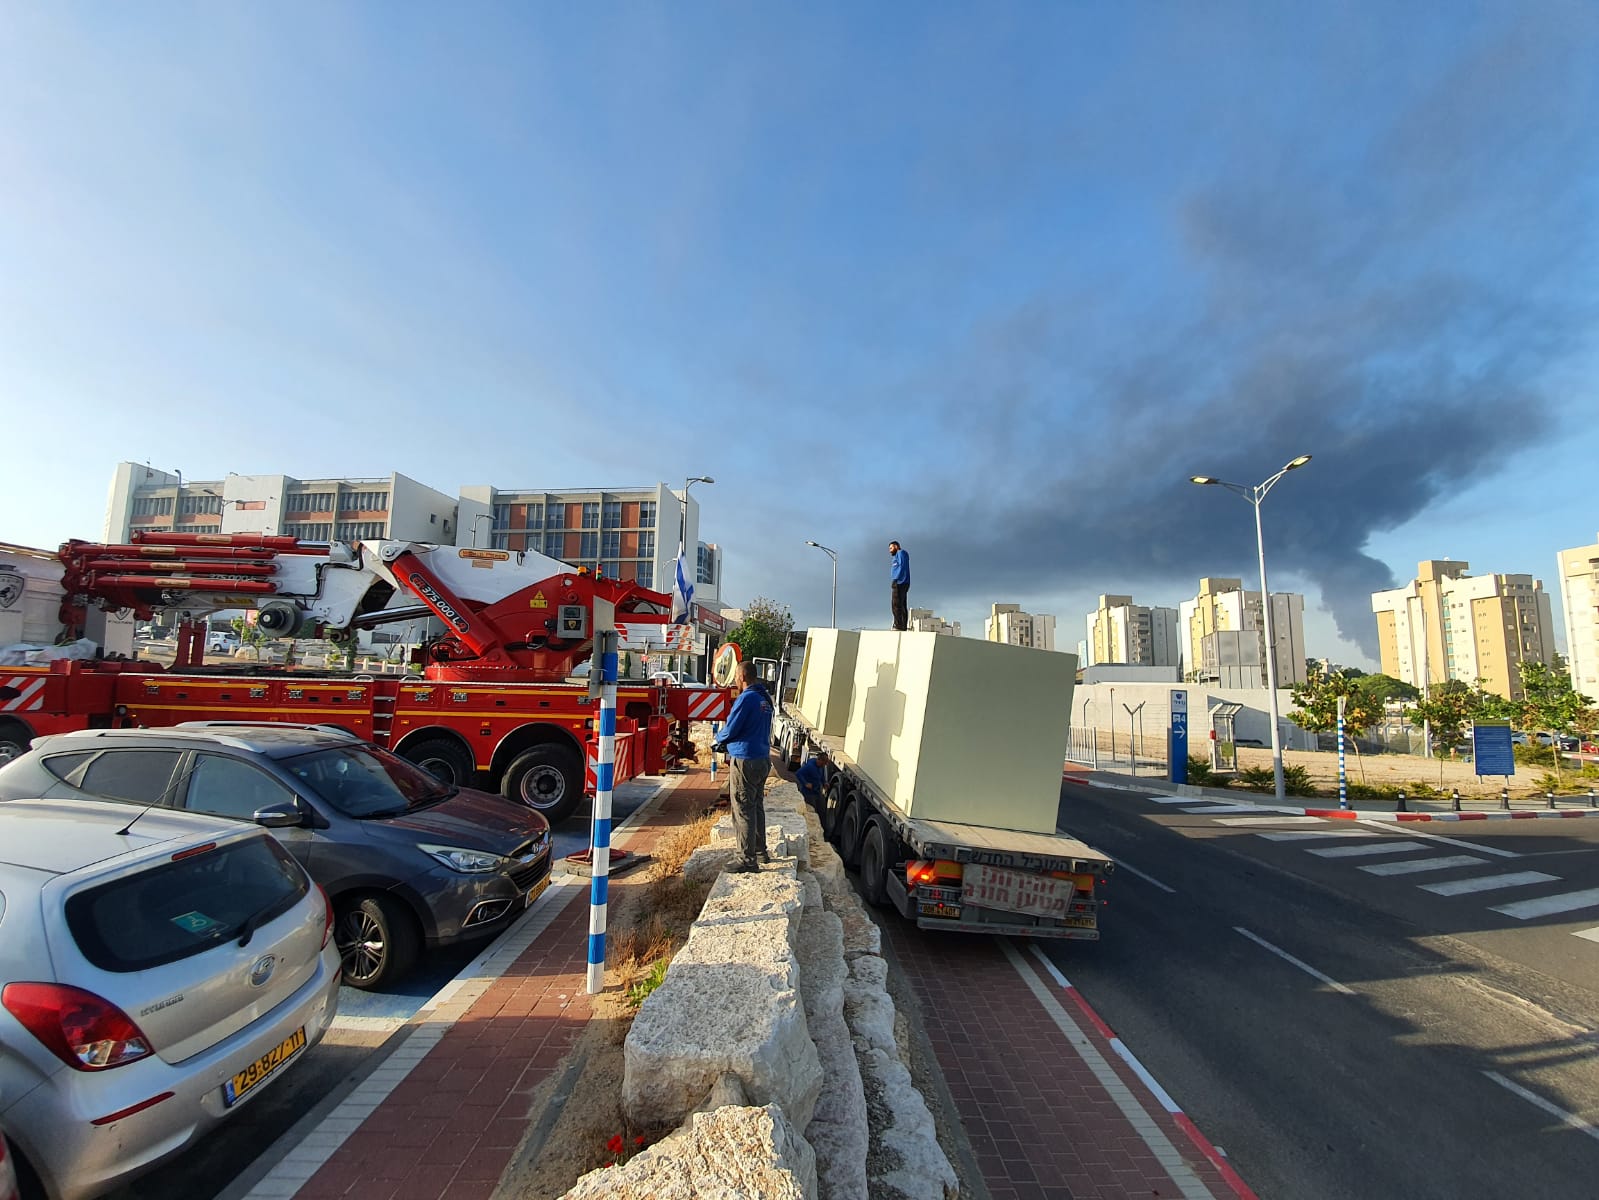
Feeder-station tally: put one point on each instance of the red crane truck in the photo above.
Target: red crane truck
(487, 701)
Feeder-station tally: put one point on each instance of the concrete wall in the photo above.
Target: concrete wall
(1093, 706)
(419, 513)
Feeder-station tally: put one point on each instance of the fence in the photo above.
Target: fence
(1132, 750)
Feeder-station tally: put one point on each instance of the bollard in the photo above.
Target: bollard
(1504, 797)
(1593, 800)
(1551, 797)
(1454, 796)
(1401, 807)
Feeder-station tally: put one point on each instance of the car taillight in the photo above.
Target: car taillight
(327, 916)
(78, 1027)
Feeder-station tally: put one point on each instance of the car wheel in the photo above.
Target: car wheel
(548, 779)
(874, 865)
(443, 758)
(13, 742)
(377, 941)
(849, 833)
(832, 809)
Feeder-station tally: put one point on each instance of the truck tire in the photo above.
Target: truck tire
(442, 757)
(874, 865)
(548, 779)
(377, 941)
(849, 831)
(832, 809)
(14, 739)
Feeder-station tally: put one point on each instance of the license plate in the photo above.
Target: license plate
(1079, 922)
(941, 910)
(262, 1068)
(537, 890)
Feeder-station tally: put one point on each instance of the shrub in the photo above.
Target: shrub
(1296, 780)
(1200, 773)
(652, 979)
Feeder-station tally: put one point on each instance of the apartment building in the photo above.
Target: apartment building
(1449, 624)
(1007, 623)
(346, 509)
(1120, 631)
(1579, 599)
(924, 620)
(1223, 633)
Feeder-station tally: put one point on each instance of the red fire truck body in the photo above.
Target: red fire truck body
(487, 704)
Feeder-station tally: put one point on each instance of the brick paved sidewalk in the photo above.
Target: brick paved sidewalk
(1051, 1112)
(443, 1114)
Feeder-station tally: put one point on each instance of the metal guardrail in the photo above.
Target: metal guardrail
(1082, 746)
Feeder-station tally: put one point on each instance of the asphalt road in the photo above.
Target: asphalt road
(365, 1023)
(1344, 1009)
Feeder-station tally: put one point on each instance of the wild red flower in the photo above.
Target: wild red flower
(615, 1144)
(639, 1141)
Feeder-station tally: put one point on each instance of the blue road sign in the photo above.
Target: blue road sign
(1491, 749)
(1178, 756)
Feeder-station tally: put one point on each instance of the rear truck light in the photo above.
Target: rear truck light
(132, 1108)
(919, 870)
(327, 915)
(78, 1027)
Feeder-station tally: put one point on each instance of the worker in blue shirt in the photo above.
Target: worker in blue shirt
(899, 585)
(747, 741)
(812, 779)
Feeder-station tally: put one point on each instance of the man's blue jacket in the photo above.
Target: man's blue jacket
(748, 732)
(899, 567)
(810, 777)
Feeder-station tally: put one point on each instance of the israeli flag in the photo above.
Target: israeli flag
(682, 595)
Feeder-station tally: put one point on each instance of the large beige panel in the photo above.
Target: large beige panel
(956, 729)
(827, 677)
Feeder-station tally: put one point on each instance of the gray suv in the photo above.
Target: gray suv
(407, 861)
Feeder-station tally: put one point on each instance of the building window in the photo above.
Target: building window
(358, 531)
(535, 516)
(554, 545)
(502, 516)
(610, 544)
(297, 502)
(589, 547)
(611, 570)
(705, 571)
(646, 514)
(309, 531)
(200, 504)
(646, 544)
(611, 517)
(501, 540)
(646, 575)
(367, 501)
(591, 514)
(152, 506)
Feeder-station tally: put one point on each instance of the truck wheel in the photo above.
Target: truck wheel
(548, 779)
(14, 740)
(832, 810)
(377, 941)
(849, 833)
(874, 865)
(442, 758)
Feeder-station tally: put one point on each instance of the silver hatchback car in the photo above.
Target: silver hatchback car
(157, 968)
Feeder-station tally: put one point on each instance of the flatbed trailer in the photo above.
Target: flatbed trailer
(946, 875)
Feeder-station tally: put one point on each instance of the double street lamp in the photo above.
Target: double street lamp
(832, 554)
(1255, 495)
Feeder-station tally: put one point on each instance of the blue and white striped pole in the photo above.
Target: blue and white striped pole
(1343, 780)
(716, 729)
(604, 782)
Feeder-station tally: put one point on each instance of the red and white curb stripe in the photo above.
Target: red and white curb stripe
(1184, 1122)
(1350, 814)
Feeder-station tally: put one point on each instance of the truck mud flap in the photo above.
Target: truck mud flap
(1027, 931)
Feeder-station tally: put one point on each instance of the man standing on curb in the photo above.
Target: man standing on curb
(899, 585)
(747, 741)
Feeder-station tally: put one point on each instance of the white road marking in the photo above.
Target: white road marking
(1591, 934)
(1228, 808)
(1123, 865)
(1301, 835)
(1289, 958)
(1283, 820)
(1412, 831)
(1525, 910)
(356, 1024)
(1489, 883)
(1375, 848)
(1171, 799)
(1537, 1101)
(1413, 866)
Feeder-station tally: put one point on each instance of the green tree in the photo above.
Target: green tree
(1548, 702)
(1449, 709)
(1385, 688)
(764, 630)
(1317, 699)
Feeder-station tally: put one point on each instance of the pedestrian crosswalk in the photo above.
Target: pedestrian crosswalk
(1377, 852)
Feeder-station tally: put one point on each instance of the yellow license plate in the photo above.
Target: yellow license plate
(234, 1089)
(952, 911)
(537, 890)
(1079, 922)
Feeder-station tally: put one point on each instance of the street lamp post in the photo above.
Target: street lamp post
(481, 517)
(1255, 495)
(686, 590)
(832, 554)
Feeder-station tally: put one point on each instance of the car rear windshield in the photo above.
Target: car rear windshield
(364, 782)
(185, 906)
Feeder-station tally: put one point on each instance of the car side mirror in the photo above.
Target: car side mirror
(280, 816)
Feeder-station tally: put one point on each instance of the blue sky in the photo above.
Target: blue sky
(990, 279)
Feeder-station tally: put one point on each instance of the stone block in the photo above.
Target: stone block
(954, 729)
(774, 892)
(827, 677)
(722, 1154)
(838, 1132)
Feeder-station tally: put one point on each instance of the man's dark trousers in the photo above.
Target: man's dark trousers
(748, 779)
(902, 615)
